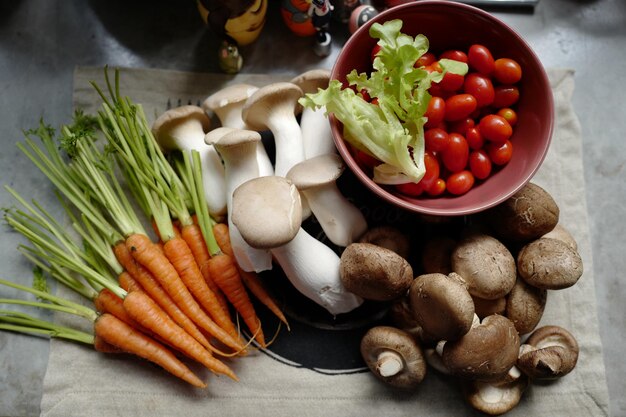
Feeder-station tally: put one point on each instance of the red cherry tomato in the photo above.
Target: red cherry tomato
(507, 71)
(480, 59)
(366, 95)
(435, 111)
(480, 87)
(460, 182)
(438, 187)
(425, 60)
(461, 126)
(432, 170)
(454, 157)
(480, 164)
(450, 81)
(509, 115)
(411, 189)
(474, 138)
(495, 128)
(365, 160)
(455, 55)
(375, 51)
(500, 154)
(505, 96)
(436, 139)
(459, 106)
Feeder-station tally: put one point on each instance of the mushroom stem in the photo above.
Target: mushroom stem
(316, 133)
(389, 363)
(313, 269)
(288, 139)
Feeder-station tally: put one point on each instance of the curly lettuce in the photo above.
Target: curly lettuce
(392, 130)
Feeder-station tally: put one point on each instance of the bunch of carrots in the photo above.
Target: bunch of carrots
(177, 294)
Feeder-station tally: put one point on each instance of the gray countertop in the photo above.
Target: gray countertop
(42, 41)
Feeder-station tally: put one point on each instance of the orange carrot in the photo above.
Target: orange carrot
(143, 309)
(250, 279)
(192, 234)
(147, 254)
(117, 333)
(151, 286)
(103, 346)
(107, 302)
(226, 275)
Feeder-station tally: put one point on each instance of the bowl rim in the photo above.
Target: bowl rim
(377, 189)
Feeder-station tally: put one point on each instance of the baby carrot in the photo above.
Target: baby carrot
(151, 286)
(147, 254)
(117, 333)
(143, 309)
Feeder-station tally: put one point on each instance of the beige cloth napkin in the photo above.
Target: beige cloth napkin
(82, 382)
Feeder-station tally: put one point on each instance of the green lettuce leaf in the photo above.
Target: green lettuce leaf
(393, 129)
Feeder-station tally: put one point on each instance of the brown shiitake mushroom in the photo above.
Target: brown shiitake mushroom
(403, 318)
(549, 353)
(441, 305)
(393, 356)
(525, 305)
(487, 352)
(436, 255)
(374, 272)
(527, 215)
(486, 265)
(561, 233)
(388, 237)
(495, 399)
(550, 264)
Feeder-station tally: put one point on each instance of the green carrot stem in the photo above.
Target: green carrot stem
(86, 313)
(202, 211)
(23, 323)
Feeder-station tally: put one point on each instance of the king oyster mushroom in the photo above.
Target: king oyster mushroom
(315, 178)
(183, 129)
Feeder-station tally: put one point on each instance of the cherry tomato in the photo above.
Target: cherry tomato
(454, 157)
(432, 170)
(435, 90)
(365, 160)
(411, 189)
(480, 59)
(480, 164)
(495, 128)
(366, 95)
(509, 115)
(435, 111)
(480, 87)
(460, 182)
(450, 81)
(436, 139)
(455, 55)
(474, 138)
(459, 106)
(500, 154)
(425, 60)
(461, 126)
(507, 71)
(375, 51)
(438, 187)
(505, 96)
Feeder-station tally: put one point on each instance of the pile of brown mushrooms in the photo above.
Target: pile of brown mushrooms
(473, 311)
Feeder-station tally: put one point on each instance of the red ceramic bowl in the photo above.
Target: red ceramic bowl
(451, 25)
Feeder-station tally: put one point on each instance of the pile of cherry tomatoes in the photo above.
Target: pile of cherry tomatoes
(470, 121)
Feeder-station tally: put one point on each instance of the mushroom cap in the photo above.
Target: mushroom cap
(312, 80)
(484, 308)
(525, 305)
(232, 137)
(173, 118)
(214, 135)
(550, 264)
(267, 211)
(386, 339)
(388, 237)
(232, 94)
(374, 272)
(279, 97)
(486, 352)
(441, 305)
(494, 399)
(316, 171)
(486, 265)
(550, 352)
